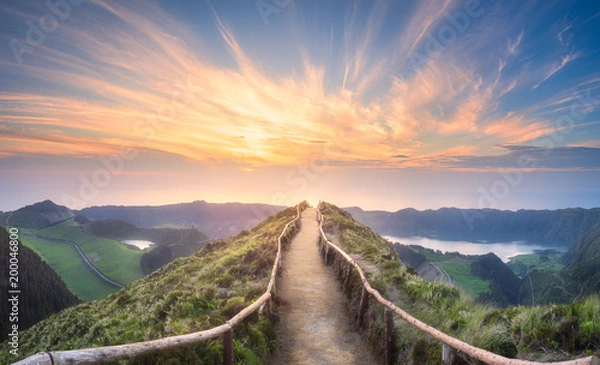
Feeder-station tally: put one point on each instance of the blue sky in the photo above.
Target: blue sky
(382, 104)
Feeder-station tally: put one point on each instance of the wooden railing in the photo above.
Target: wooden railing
(100, 355)
(448, 341)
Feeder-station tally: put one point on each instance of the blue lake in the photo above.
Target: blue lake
(503, 250)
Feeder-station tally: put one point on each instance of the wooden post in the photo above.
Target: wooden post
(348, 273)
(447, 354)
(362, 307)
(228, 348)
(388, 317)
(270, 307)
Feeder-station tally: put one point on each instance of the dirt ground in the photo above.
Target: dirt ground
(314, 326)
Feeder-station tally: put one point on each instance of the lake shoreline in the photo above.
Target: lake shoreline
(504, 250)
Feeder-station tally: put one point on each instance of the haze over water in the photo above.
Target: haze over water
(504, 250)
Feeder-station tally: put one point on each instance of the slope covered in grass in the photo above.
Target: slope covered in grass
(67, 263)
(111, 257)
(189, 294)
(546, 333)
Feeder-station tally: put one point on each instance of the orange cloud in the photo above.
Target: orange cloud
(155, 87)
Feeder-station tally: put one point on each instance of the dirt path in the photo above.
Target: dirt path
(314, 327)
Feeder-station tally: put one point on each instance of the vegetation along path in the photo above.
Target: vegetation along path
(314, 326)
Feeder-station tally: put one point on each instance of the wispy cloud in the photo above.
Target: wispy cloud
(557, 67)
(513, 45)
(147, 81)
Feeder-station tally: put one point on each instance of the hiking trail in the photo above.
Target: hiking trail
(314, 327)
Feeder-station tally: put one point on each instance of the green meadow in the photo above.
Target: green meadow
(464, 279)
(459, 269)
(112, 258)
(65, 260)
(541, 260)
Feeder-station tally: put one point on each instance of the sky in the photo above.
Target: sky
(378, 104)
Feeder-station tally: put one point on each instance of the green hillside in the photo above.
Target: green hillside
(38, 215)
(67, 263)
(485, 278)
(583, 262)
(100, 242)
(561, 280)
(546, 260)
(111, 257)
(187, 295)
(554, 332)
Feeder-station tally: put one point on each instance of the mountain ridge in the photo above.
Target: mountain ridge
(560, 226)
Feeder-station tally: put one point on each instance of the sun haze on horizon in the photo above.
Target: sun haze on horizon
(381, 104)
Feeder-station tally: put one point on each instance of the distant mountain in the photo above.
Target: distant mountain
(213, 219)
(42, 294)
(563, 226)
(38, 215)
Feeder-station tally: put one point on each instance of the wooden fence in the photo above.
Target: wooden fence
(448, 342)
(100, 355)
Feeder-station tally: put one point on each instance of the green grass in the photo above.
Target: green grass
(549, 333)
(432, 255)
(112, 258)
(465, 280)
(65, 260)
(187, 295)
(542, 260)
(459, 268)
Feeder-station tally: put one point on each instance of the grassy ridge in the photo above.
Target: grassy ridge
(189, 294)
(112, 258)
(555, 332)
(78, 276)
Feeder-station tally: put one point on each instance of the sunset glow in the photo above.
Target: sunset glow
(356, 102)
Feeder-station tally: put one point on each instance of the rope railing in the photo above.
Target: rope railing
(472, 351)
(100, 355)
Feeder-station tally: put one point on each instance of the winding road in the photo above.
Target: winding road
(83, 257)
(443, 271)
